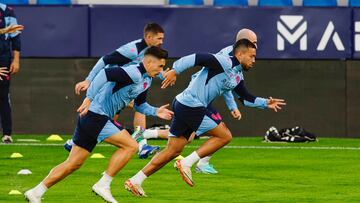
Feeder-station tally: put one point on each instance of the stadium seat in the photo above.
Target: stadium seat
(319, 3)
(54, 2)
(15, 2)
(230, 3)
(275, 3)
(186, 2)
(354, 3)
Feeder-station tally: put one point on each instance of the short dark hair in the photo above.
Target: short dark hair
(157, 52)
(243, 43)
(154, 28)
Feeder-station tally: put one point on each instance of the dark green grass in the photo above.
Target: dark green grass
(245, 174)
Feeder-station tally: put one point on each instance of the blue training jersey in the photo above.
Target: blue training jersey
(228, 96)
(219, 74)
(114, 88)
(128, 54)
(228, 51)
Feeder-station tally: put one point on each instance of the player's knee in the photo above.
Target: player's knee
(174, 151)
(227, 137)
(133, 147)
(73, 165)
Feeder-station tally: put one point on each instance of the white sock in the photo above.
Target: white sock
(105, 181)
(40, 189)
(142, 143)
(148, 134)
(190, 160)
(204, 161)
(138, 178)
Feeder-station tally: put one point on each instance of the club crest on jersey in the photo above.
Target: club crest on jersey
(237, 79)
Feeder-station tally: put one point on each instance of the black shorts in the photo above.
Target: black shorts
(193, 119)
(93, 128)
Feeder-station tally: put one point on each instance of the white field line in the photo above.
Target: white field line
(226, 147)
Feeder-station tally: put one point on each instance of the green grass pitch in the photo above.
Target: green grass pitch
(249, 171)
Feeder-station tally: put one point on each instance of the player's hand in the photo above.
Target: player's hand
(236, 114)
(164, 113)
(170, 79)
(3, 72)
(84, 107)
(13, 28)
(275, 104)
(14, 67)
(162, 73)
(81, 86)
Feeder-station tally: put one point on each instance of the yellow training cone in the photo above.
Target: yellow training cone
(97, 156)
(16, 155)
(179, 157)
(15, 192)
(54, 137)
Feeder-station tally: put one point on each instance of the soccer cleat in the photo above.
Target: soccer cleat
(68, 145)
(7, 139)
(104, 193)
(147, 151)
(206, 169)
(185, 173)
(135, 189)
(31, 197)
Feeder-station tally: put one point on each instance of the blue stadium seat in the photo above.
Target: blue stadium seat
(230, 2)
(186, 2)
(319, 3)
(15, 2)
(275, 3)
(54, 2)
(354, 3)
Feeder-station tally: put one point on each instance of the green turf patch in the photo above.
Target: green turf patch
(249, 171)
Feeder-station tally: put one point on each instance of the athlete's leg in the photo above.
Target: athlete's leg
(76, 158)
(127, 148)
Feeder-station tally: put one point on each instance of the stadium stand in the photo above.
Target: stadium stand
(186, 2)
(15, 2)
(275, 3)
(121, 2)
(230, 2)
(355, 3)
(327, 3)
(54, 2)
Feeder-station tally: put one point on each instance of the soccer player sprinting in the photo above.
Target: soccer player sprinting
(111, 90)
(203, 165)
(128, 54)
(220, 73)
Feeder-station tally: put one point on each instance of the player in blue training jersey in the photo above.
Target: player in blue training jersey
(219, 74)
(203, 165)
(130, 53)
(111, 90)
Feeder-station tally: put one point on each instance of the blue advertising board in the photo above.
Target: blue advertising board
(54, 31)
(283, 33)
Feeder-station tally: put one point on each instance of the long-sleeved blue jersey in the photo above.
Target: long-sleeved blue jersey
(8, 42)
(220, 74)
(114, 88)
(128, 54)
(228, 96)
(228, 51)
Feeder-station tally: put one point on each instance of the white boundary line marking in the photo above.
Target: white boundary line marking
(227, 147)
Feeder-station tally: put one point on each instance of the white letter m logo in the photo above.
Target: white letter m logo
(289, 34)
